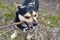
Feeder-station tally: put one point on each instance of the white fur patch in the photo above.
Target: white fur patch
(22, 18)
(35, 19)
(32, 3)
(20, 7)
(23, 6)
(13, 35)
(35, 13)
(27, 14)
(25, 29)
(29, 36)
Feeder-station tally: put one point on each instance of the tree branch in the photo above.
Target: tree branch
(5, 32)
(11, 24)
(44, 15)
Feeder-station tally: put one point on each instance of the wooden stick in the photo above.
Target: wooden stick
(5, 32)
(11, 24)
(44, 15)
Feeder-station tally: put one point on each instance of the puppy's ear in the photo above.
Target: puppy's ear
(16, 4)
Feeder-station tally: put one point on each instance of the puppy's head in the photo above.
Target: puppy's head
(30, 18)
(27, 15)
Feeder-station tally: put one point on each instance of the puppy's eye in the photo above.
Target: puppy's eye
(27, 17)
(35, 15)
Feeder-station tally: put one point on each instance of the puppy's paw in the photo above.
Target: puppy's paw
(29, 36)
(13, 35)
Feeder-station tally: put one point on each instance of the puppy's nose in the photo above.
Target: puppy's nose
(35, 23)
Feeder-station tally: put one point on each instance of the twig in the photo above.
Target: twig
(44, 15)
(5, 32)
(11, 24)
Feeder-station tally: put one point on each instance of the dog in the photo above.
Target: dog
(27, 12)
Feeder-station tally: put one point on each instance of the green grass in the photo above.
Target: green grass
(9, 12)
(10, 15)
(55, 20)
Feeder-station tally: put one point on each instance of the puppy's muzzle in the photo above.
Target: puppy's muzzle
(32, 25)
(35, 23)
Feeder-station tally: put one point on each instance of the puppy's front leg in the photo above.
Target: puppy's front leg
(14, 35)
(29, 36)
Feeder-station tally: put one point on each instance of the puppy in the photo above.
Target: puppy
(27, 12)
